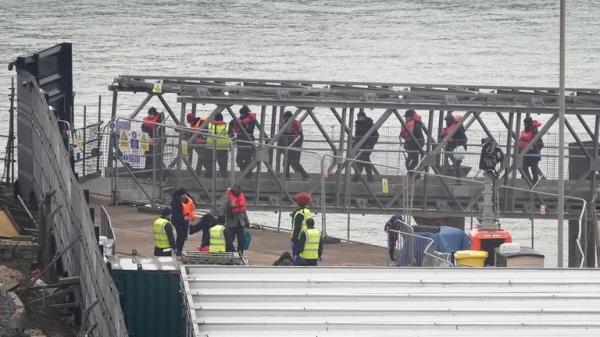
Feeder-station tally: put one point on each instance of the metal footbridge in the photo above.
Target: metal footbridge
(328, 112)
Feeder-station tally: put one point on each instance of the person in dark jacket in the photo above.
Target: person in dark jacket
(412, 135)
(307, 242)
(151, 127)
(292, 137)
(362, 125)
(454, 155)
(532, 159)
(164, 240)
(178, 219)
(299, 218)
(391, 228)
(243, 131)
(236, 218)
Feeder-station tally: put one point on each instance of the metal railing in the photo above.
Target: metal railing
(45, 174)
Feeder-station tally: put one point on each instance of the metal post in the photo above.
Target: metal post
(84, 138)
(98, 132)
(561, 136)
(112, 145)
(324, 173)
(9, 167)
(179, 146)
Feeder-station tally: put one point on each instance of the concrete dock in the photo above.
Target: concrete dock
(133, 230)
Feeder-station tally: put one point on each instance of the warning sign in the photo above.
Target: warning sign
(78, 141)
(134, 141)
(385, 186)
(124, 140)
(144, 142)
(184, 148)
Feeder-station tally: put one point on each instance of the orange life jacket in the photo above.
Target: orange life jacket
(238, 204)
(150, 122)
(446, 131)
(527, 136)
(196, 126)
(249, 118)
(189, 208)
(410, 127)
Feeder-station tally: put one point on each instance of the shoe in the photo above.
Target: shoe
(355, 179)
(305, 177)
(288, 177)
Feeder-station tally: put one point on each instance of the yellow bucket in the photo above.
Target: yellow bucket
(470, 258)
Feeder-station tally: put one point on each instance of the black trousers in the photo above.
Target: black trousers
(162, 252)
(182, 231)
(230, 234)
(306, 262)
(244, 156)
(204, 160)
(365, 156)
(455, 164)
(222, 157)
(293, 160)
(412, 159)
(531, 168)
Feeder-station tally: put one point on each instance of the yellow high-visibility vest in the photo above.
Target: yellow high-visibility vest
(307, 215)
(161, 240)
(311, 245)
(217, 239)
(219, 135)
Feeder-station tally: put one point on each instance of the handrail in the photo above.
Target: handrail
(584, 203)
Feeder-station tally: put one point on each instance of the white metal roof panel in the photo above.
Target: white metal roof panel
(278, 301)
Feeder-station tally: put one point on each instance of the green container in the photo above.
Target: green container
(150, 298)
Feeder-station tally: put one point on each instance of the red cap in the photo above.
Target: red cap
(303, 198)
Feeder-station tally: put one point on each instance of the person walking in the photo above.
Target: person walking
(310, 245)
(216, 240)
(362, 125)
(532, 158)
(198, 142)
(236, 218)
(164, 240)
(456, 145)
(243, 131)
(412, 135)
(218, 141)
(292, 138)
(299, 218)
(183, 208)
(150, 126)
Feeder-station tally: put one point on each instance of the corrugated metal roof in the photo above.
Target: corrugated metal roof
(280, 301)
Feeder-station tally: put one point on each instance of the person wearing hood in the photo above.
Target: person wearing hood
(412, 135)
(532, 158)
(198, 143)
(151, 128)
(236, 218)
(292, 138)
(456, 144)
(218, 140)
(183, 211)
(362, 125)
(243, 131)
(164, 240)
(299, 218)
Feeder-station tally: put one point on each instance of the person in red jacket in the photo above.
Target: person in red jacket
(244, 136)
(151, 127)
(454, 156)
(292, 138)
(236, 218)
(198, 142)
(532, 158)
(413, 144)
